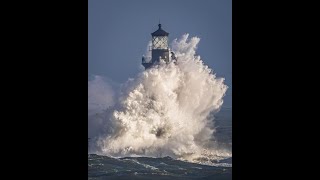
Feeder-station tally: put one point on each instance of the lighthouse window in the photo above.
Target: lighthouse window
(160, 42)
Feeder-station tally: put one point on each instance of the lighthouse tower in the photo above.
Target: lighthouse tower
(159, 48)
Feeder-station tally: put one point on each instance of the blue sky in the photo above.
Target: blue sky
(119, 30)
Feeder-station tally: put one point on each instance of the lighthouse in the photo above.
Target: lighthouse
(159, 48)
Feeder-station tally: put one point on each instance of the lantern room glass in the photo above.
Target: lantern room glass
(160, 42)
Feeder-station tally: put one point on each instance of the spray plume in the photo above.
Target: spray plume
(167, 110)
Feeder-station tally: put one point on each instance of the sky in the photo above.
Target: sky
(119, 32)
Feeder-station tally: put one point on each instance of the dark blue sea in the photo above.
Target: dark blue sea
(103, 167)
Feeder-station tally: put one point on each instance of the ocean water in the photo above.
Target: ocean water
(104, 167)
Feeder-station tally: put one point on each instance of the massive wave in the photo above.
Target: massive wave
(167, 110)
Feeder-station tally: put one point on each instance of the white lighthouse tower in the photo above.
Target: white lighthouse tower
(160, 48)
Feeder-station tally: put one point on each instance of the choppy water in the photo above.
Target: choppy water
(103, 167)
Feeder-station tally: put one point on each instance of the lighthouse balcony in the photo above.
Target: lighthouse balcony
(146, 59)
